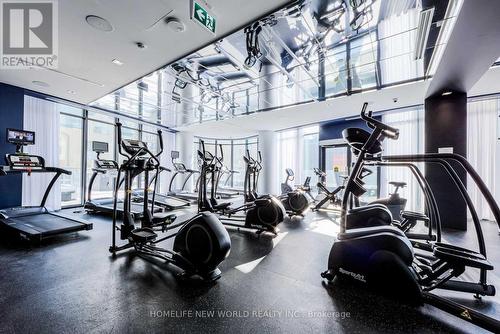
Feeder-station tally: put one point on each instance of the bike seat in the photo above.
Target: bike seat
(142, 235)
(398, 184)
(410, 215)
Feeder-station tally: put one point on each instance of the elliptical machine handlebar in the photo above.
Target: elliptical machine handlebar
(160, 136)
(119, 133)
(387, 131)
(131, 157)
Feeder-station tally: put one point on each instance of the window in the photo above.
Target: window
(363, 69)
(104, 183)
(298, 149)
(397, 35)
(410, 123)
(150, 96)
(234, 151)
(482, 153)
(239, 151)
(335, 64)
(70, 157)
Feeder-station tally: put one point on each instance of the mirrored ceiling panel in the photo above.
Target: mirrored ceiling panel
(309, 51)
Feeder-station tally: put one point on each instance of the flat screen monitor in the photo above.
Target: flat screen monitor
(174, 154)
(99, 146)
(20, 137)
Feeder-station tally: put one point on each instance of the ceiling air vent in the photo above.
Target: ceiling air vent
(424, 26)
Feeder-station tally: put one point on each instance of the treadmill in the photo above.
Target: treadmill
(34, 223)
(165, 201)
(181, 169)
(223, 191)
(105, 205)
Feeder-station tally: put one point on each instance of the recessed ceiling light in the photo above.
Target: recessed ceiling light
(117, 62)
(70, 91)
(99, 23)
(175, 24)
(40, 83)
(447, 93)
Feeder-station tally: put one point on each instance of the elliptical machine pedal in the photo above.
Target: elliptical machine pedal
(143, 235)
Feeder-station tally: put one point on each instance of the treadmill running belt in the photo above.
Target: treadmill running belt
(45, 224)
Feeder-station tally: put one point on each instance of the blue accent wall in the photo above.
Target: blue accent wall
(11, 116)
(333, 129)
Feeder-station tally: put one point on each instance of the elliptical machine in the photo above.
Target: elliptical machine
(201, 243)
(382, 256)
(294, 200)
(262, 213)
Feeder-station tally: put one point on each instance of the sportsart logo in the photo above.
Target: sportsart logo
(358, 277)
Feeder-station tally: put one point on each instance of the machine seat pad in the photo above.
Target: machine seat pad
(398, 184)
(410, 215)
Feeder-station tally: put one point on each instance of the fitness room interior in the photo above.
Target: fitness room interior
(265, 166)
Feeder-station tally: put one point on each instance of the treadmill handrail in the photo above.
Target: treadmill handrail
(58, 170)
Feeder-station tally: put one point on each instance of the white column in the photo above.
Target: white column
(268, 97)
(267, 147)
(184, 144)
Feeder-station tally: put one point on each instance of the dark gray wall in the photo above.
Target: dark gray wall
(11, 116)
(446, 126)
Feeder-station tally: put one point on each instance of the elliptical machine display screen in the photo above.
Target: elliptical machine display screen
(132, 146)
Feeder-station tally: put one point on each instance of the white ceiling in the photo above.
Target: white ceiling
(85, 53)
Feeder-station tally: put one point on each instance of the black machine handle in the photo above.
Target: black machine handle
(119, 134)
(202, 143)
(387, 130)
(161, 143)
(58, 170)
(221, 152)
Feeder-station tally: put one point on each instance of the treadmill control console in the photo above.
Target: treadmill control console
(106, 164)
(24, 162)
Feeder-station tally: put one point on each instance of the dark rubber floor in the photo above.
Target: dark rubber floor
(71, 284)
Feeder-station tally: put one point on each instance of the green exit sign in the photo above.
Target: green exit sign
(201, 16)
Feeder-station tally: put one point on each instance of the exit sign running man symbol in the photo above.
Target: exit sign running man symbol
(201, 15)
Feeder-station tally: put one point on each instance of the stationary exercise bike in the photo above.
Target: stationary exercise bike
(294, 200)
(327, 196)
(382, 257)
(262, 213)
(395, 203)
(201, 243)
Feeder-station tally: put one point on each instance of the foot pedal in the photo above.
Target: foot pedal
(163, 218)
(143, 235)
